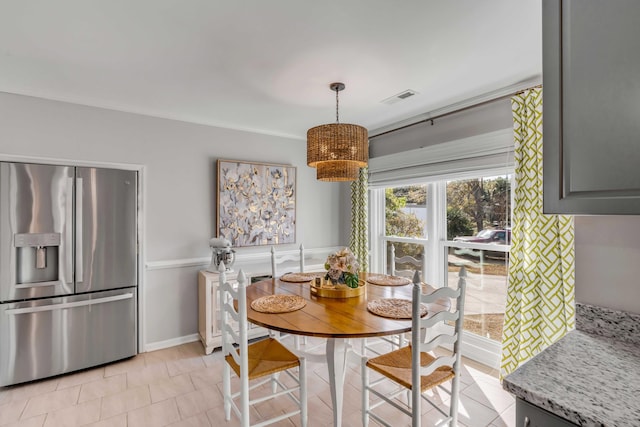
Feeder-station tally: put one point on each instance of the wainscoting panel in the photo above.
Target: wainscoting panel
(171, 293)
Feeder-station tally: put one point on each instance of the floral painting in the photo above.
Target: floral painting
(256, 203)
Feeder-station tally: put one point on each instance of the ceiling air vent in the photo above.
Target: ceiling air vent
(399, 97)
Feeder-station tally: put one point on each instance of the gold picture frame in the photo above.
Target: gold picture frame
(256, 203)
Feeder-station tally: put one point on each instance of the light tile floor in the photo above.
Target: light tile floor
(180, 386)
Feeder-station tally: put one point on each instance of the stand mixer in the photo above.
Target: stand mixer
(221, 252)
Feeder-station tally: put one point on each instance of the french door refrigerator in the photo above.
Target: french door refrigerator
(68, 269)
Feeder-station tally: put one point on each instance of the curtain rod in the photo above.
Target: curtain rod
(459, 110)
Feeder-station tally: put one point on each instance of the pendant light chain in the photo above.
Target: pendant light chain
(337, 119)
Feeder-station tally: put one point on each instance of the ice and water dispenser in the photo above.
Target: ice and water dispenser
(36, 257)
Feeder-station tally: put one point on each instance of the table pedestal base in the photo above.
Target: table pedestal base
(337, 349)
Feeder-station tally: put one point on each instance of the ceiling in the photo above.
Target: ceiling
(265, 65)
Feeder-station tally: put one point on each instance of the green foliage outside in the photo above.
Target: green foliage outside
(458, 223)
(483, 202)
(472, 205)
(401, 224)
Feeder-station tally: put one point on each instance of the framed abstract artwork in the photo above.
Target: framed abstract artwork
(256, 203)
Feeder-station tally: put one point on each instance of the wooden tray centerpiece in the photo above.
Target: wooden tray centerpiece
(341, 280)
(326, 289)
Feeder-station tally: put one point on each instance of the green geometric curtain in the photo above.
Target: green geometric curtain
(540, 296)
(359, 200)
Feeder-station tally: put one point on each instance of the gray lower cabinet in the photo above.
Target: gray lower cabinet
(528, 415)
(591, 102)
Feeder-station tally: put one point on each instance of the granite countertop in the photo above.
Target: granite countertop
(591, 376)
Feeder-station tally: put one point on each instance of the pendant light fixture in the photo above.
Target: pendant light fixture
(337, 150)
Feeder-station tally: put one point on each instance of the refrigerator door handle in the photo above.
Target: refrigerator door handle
(75, 304)
(79, 193)
(36, 285)
(68, 233)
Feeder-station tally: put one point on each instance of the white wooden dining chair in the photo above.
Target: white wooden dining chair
(257, 363)
(370, 345)
(278, 261)
(415, 367)
(416, 264)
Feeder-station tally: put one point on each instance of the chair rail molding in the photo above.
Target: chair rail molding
(242, 259)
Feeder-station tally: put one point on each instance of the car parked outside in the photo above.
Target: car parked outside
(499, 236)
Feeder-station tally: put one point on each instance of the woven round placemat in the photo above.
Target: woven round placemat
(300, 277)
(278, 303)
(386, 280)
(394, 308)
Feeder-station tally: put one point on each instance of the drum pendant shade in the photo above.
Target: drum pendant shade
(338, 170)
(337, 150)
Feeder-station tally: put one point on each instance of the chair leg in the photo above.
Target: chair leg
(416, 410)
(226, 387)
(453, 408)
(365, 392)
(302, 377)
(244, 402)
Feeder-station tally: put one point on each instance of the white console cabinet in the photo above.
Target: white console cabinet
(209, 312)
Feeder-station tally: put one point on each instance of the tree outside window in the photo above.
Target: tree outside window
(474, 205)
(405, 214)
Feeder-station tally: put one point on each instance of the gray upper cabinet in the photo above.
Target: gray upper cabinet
(591, 99)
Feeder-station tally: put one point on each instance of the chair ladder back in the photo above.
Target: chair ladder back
(234, 337)
(444, 292)
(454, 314)
(229, 293)
(438, 341)
(406, 259)
(438, 318)
(277, 260)
(437, 363)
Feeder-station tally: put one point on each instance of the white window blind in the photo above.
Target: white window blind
(450, 160)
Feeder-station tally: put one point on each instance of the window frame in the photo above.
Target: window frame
(436, 245)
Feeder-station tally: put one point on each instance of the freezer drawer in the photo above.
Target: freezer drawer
(53, 336)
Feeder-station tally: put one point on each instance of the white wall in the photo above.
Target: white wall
(608, 261)
(179, 162)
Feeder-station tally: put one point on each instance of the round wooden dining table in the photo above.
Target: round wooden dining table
(337, 319)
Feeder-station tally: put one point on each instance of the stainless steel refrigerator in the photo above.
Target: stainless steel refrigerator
(68, 269)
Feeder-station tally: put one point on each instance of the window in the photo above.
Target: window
(478, 223)
(405, 226)
(440, 226)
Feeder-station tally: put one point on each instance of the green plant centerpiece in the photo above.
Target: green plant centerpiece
(342, 268)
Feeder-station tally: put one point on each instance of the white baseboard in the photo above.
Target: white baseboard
(477, 348)
(481, 350)
(159, 345)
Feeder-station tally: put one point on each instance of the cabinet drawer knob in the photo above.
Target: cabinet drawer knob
(527, 422)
